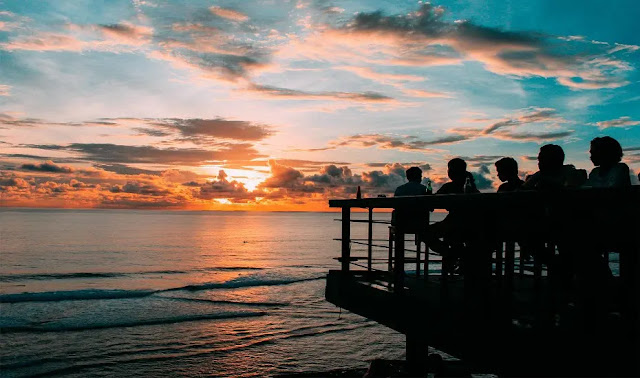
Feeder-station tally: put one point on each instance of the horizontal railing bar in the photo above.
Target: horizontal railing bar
(365, 221)
(532, 199)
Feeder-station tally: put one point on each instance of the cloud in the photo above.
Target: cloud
(126, 170)
(426, 94)
(503, 129)
(424, 166)
(369, 73)
(229, 14)
(115, 153)
(618, 122)
(222, 188)
(5, 90)
(196, 130)
(424, 37)
(48, 166)
(282, 176)
(528, 120)
(114, 37)
(224, 67)
(136, 187)
(216, 128)
(530, 115)
(366, 97)
(127, 33)
(389, 142)
(480, 177)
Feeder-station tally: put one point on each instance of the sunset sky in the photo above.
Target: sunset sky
(280, 105)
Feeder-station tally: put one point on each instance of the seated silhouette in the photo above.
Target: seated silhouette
(553, 174)
(453, 230)
(507, 169)
(410, 220)
(609, 172)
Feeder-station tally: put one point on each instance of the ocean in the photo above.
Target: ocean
(164, 293)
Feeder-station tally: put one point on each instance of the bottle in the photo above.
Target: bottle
(429, 188)
(467, 186)
(358, 194)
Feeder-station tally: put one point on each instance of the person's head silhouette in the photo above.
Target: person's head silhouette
(414, 174)
(550, 158)
(507, 169)
(457, 170)
(605, 151)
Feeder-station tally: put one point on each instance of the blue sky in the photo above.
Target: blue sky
(278, 93)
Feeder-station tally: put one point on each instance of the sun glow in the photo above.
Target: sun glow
(249, 178)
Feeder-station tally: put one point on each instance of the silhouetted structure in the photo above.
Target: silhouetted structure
(507, 169)
(505, 322)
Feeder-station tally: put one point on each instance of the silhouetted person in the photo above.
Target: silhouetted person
(609, 172)
(454, 228)
(553, 174)
(410, 220)
(508, 173)
(414, 186)
(457, 172)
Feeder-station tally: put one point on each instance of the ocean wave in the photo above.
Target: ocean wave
(73, 295)
(75, 275)
(246, 281)
(89, 294)
(213, 301)
(53, 327)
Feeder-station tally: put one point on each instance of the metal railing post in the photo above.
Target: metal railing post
(370, 240)
(346, 238)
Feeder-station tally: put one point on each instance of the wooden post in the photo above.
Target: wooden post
(399, 265)
(499, 250)
(369, 246)
(346, 238)
(418, 247)
(426, 248)
(417, 352)
(391, 236)
(509, 259)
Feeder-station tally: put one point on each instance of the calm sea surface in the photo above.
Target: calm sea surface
(154, 293)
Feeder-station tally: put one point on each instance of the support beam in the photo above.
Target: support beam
(370, 240)
(398, 271)
(346, 238)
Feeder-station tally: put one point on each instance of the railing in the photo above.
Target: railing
(554, 214)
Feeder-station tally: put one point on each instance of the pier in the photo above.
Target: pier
(501, 313)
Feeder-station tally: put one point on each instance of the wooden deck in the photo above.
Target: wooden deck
(503, 322)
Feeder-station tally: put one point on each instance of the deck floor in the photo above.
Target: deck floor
(492, 325)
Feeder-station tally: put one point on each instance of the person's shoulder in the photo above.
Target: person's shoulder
(622, 167)
(445, 188)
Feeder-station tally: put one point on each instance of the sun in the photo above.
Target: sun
(249, 178)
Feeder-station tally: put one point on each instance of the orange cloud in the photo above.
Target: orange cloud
(619, 122)
(229, 14)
